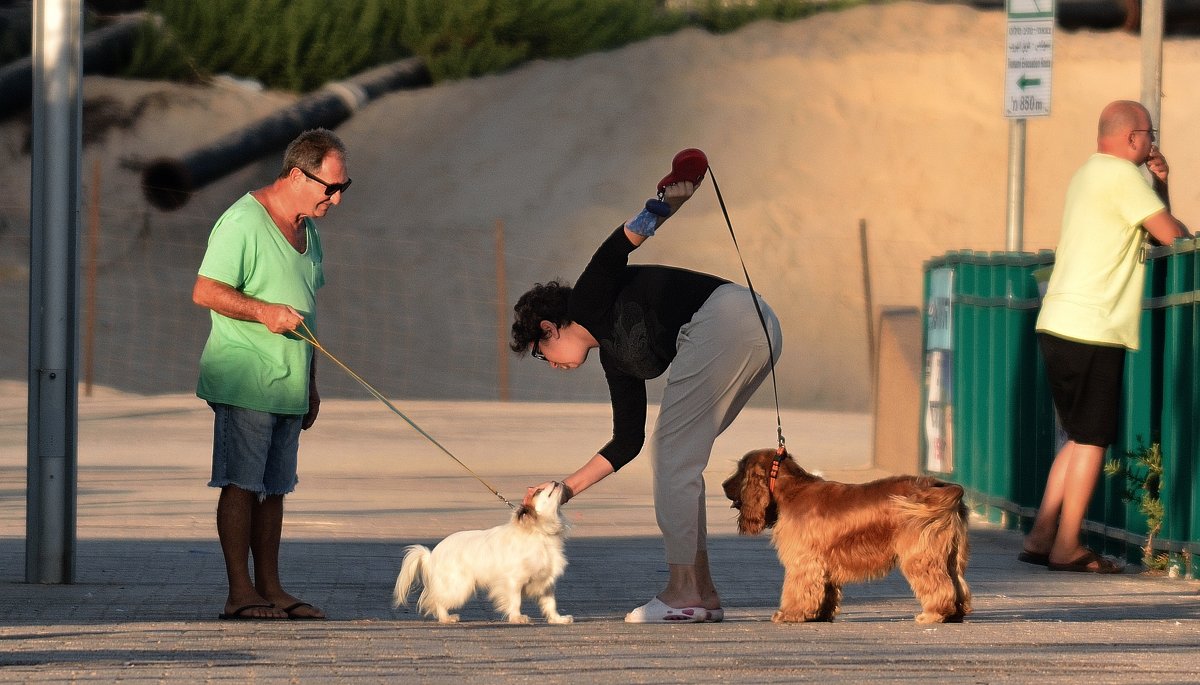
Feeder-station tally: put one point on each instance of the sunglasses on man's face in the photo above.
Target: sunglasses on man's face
(536, 353)
(330, 188)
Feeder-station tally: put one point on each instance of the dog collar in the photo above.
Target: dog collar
(775, 471)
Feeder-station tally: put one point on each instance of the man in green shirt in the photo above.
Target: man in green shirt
(259, 279)
(1090, 317)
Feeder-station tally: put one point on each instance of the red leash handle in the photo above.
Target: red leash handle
(688, 165)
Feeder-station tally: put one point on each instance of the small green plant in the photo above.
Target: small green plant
(1143, 484)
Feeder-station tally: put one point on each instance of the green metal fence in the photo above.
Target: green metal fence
(988, 420)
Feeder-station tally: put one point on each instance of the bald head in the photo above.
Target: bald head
(1124, 131)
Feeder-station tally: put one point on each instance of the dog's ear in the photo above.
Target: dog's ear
(523, 512)
(755, 497)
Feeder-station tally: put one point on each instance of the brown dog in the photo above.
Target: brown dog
(828, 534)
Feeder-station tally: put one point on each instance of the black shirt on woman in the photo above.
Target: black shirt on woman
(635, 313)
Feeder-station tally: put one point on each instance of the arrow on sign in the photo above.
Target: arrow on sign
(1024, 82)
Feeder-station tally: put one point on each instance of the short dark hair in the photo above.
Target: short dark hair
(543, 302)
(309, 149)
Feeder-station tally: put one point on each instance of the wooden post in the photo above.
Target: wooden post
(501, 315)
(870, 306)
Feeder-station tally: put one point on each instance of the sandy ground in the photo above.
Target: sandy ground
(887, 114)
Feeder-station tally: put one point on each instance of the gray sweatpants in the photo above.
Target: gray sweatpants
(721, 360)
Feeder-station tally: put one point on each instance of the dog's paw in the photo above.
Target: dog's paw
(560, 619)
(519, 618)
(930, 617)
(794, 617)
(448, 618)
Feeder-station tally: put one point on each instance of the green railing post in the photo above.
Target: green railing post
(965, 376)
(1178, 342)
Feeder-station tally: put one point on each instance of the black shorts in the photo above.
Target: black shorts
(1085, 381)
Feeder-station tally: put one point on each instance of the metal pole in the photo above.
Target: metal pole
(1152, 39)
(501, 313)
(53, 292)
(1015, 223)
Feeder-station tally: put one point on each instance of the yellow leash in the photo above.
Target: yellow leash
(311, 339)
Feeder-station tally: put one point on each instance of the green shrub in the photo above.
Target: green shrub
(301, 44)
(286, 44)
(721, 16)
(474, 37)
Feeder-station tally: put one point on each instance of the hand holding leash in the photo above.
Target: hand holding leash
(688, 165)
(687, 171)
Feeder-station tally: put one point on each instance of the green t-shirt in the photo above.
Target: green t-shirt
(1095, 290)
(244, 364)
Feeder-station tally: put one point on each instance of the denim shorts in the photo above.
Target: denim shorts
(255, 450)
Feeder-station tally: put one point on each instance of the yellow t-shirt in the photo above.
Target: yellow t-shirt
(1095, 291)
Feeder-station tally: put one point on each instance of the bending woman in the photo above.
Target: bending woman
(647, 320)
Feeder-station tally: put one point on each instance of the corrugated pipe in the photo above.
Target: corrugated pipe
(168, 183)
(105, 51)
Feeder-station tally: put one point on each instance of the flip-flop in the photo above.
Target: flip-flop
(715, 616)
(1035, 558)
(239, 614)
(1088, 562)
(688, 165)
(655, 611)
(301, 617)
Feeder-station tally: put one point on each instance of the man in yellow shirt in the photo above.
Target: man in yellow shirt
(1090, 317)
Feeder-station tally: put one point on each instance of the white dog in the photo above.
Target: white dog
(522, 558)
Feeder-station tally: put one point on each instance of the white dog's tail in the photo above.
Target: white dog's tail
(416, 559)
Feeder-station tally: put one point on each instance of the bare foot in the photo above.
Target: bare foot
(681, 601)
(251, 608)
(296, 608)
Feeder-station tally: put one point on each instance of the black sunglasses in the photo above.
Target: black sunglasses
(536, 353)
(330, 188)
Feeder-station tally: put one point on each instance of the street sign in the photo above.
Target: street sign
(1029, 58)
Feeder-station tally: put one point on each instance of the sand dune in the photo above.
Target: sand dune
(889, 114)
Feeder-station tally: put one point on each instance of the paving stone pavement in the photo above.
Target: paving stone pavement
(149, 577)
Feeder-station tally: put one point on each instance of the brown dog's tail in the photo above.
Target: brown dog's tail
(936, 516)
(937, 510)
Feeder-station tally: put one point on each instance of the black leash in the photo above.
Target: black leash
(758, 308)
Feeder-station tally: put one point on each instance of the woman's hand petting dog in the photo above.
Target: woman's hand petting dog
(533, 491)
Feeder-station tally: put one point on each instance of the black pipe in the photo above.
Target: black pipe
(105, 51)
(168, 183)
(1180, 17)
(1096, 14)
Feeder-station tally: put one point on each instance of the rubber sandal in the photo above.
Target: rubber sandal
(239, 614)
(1088, 562)
(689, 165)
(655, 611)
(715, 616)
(301, 617)
(1035, 558)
